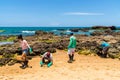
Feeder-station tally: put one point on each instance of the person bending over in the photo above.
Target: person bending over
(46, 58)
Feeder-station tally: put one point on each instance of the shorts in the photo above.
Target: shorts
(105, 50)
(25, 51)
(71, 51)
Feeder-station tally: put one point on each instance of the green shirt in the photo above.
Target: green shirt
(72, 43)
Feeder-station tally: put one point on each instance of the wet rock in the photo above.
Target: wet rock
(114, 50)
(92, 46)
(41, 48)
(62, 45)
(104, 27)
(40, 32)
(75, 30)
(61, 29)
(4, 61)
(96, 33)
(7, 58)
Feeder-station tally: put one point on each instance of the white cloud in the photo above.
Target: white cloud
(82, 13)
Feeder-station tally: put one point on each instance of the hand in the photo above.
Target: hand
(41, 63)
(30, 50)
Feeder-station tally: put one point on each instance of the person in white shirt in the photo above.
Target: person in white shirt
(47, 56)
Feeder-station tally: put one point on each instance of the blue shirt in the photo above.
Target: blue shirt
(105, 44)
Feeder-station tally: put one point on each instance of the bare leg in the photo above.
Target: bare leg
(73, 51)
(25, 61)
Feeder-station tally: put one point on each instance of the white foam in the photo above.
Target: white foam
(68, 31)
(4, 43)
(28, 31)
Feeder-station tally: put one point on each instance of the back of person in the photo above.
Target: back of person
(105, 44)
(72, 42)
(71, 48)
(105, 47)
(45, 55)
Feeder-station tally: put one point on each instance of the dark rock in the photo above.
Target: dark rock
(96, 33)
(4, 61)
(114, 50)
(75, 30)
(40, 32)
(61, 29)
(88, 45)
(41, 48)
(113, 27)
(62, 45)
(104, 27)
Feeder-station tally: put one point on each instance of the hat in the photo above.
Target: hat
(71, 33)
(20, 36)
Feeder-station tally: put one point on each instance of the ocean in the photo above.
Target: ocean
(26, 31)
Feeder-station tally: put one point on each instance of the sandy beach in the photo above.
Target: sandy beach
(84, 68)
(88, 28)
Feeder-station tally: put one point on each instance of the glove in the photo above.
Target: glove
(49, 64)
(30, 50)
(41, 63)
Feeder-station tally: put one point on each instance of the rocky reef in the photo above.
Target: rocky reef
(44, 41)
(104, 27)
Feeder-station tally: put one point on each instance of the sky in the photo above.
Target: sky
(59, 12)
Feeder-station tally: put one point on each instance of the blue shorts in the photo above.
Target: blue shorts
(25, 51)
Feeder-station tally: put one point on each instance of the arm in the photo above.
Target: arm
(42, 59)
(30, 50)
(27, 44)
(102, 44)
(70, 43)
(51, 59)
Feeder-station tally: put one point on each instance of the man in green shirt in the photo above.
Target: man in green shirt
(71, 48)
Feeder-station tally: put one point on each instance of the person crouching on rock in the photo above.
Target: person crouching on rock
(47, 56)
(71, 48)
(105, 47)
(25, 49)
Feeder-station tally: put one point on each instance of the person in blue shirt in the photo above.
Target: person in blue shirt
(105, 47)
